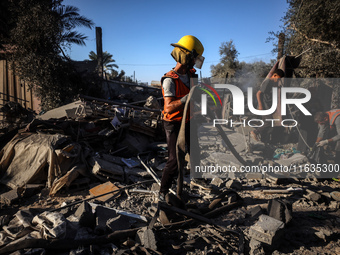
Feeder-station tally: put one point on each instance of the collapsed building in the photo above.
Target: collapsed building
(84, 179)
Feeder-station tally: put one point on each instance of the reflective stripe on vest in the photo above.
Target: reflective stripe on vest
(332, 115)
(181, 90)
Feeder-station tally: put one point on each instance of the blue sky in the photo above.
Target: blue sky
(138, 33)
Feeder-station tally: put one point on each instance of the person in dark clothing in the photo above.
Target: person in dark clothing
(329, 130)
(265, 101)
(175, 88)
(308, 127)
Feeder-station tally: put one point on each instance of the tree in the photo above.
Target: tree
(312, 28)
(108, 65)
(107, 60)
(114, 75)
(69, 19)
(230, 65)
(228, 62)
(42, 28)
(6, 21)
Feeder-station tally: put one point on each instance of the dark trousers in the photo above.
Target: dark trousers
(170, 170)
(264, 131)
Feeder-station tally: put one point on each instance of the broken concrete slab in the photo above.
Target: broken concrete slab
(254, 212)
(62, 112)
(85, 215)
(135, 172)
(280, 210)
(105, 170)
(146, 237)
(103, 214)
(266, 229)
(120, 222)
(129, 214)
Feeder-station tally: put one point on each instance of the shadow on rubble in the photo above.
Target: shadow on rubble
(309, 229)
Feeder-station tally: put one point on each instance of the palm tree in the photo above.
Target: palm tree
(69, 19)
(107, 60)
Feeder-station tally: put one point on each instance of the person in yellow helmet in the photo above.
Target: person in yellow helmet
(175, 88)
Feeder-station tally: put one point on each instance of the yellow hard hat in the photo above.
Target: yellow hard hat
(190, 43)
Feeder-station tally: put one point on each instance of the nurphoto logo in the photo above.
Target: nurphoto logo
(238, 104)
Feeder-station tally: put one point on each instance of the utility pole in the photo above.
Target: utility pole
(280, 46)
(99, 51)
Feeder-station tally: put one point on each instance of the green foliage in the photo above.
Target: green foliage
(107, 60)
(6, 21)
(229, 64)
(43, 28)
(312, 28)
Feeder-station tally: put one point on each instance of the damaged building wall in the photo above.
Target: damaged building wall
(15, 90)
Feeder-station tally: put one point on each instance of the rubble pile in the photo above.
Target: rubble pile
(84, 179)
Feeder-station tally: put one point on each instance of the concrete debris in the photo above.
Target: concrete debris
(122, 212)
(266, 230)
(146, 237)
(85, 215)
(335, 195)
(256, 247)
(57, 167)
(105, 170)
(234, 184)
(66, 111)
(280, 210)
(255, 212)
(51, 224)
(120, 222)
(217, 182)
(313, 196)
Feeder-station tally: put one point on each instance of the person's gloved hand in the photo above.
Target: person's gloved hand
(184, 99)
(322, 143)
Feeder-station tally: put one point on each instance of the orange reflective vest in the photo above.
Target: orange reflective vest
(332, 115)
(181, 90)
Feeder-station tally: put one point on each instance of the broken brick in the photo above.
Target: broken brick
(266, 229)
